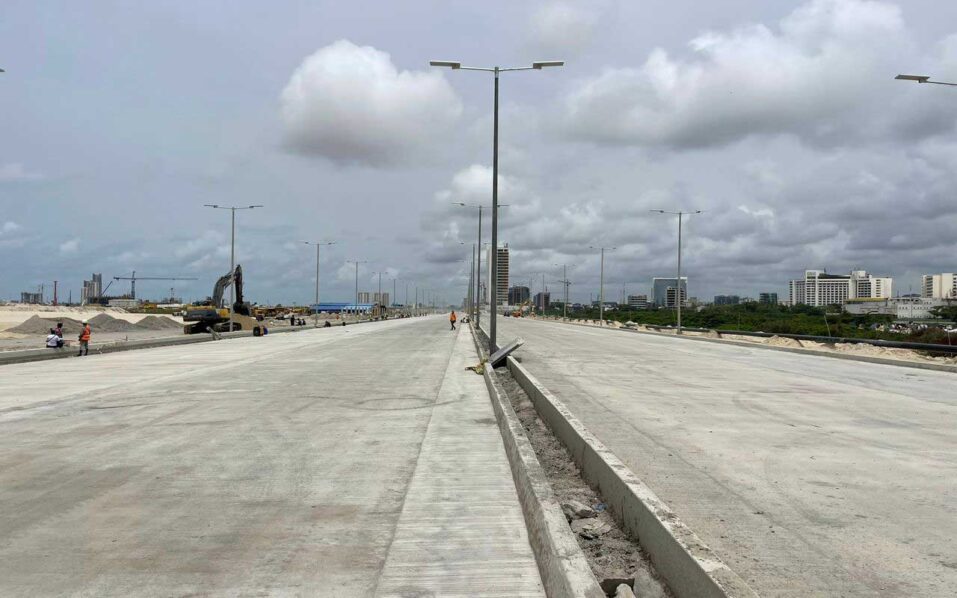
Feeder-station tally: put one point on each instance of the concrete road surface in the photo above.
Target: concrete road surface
(809, 476)
(353, 461)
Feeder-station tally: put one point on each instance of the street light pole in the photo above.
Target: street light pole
(493, 263)
(232, 254)
(678, 293)
(564, 282)
(601, 289)
(318, 244)
(357, 262)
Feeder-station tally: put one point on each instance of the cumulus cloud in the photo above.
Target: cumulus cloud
(15, 172)
(9, 227)
(351, 104)
(821, 74)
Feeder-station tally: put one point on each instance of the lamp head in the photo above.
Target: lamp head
(918, 78)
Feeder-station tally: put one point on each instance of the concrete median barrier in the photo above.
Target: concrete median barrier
(690, 568)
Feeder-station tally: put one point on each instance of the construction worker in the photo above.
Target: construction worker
(452, 319)
(84, 339)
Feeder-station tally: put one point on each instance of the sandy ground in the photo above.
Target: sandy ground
(15, 342)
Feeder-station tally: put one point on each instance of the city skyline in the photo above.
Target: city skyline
(116, 183)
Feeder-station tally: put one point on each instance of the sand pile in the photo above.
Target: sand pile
(783, 341)
(107, 323)
(38, 325)
(158, 323)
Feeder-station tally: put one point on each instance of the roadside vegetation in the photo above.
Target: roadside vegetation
(799, 319)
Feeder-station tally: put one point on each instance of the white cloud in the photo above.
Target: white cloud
(350, 104)
(563, 28)
(15, 172)
(71, 246)
(822, 75)
(9, 227)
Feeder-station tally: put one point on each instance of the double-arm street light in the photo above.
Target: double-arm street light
(601, 289)
(678, 297)
(318, 244)
(493, 264)
(232, 253)
(923, 79)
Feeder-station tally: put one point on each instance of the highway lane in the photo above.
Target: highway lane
(352, 461)
(809, 476)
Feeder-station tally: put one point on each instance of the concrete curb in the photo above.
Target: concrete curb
(689, 567)
(28, 355)
(561, 563)
(803, 351)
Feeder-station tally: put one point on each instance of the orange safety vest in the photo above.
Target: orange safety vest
(85, 336)
(452, 317)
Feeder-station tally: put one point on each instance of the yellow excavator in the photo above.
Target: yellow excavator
(213, 317)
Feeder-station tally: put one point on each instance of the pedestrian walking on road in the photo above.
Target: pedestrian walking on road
(452, 319)
(84, 340)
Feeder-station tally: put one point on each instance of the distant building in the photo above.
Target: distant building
(92, 289)
(543, 300)
(871, 307)
(501, 288)
(939, 286)
(28, 297)
(381, 300)
(727, 299)
(918, 308)
(638, 301)
(768, 298)
(124, 302)
(518, 295)
(820, 289)
(365, 297)
(663, 291)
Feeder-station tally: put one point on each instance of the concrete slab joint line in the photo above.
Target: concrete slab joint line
(690, 568)
(563, 567)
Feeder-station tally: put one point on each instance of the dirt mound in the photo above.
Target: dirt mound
(38, 325)
(157, 323)
(783, 341)
(107, 323)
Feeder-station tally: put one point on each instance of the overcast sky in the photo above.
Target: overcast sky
(781, 120)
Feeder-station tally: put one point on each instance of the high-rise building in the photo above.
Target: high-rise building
(543, 300)
(820, 289)
(365, 297)
(939, 286)
(518, 295)
(663, 291)
(727, 299)
(501, 288)
(30, 297)
(768, 298)
(92, 289)
(383, 300)
(638, 301)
